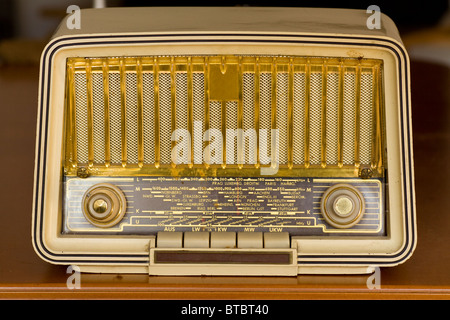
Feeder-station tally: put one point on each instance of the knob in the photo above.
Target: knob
(342, 205)
(104, 205)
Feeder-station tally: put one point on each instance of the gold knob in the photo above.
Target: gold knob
(100, 206)
(104, 205)
(342, 205)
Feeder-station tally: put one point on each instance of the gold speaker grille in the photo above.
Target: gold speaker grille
(123, 113)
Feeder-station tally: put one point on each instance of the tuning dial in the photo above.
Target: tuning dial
(342, 206)
(104, 205)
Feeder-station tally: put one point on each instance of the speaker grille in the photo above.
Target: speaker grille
(148, 119)
(115, 119)
(123, 112)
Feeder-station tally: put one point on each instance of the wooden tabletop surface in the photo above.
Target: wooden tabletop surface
(426, 274)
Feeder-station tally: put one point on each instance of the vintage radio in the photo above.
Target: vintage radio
(224, 141)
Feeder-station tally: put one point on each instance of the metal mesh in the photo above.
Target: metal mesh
(98, 113)
(318, 117)
(165, 118)
(231, 132)
(282, 116)
(265, 117)
(365, 133)
(115, 118)
(81, 118)
(299, 119)
(315, 118)
(181, 113)
(248, 119)
(349, 119)
(215, 129)
(332, 105)
(181, 99)
(148, 117)
(198, 106)
(131, 118)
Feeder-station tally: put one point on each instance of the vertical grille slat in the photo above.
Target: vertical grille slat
(140, 112)
(315, 119)
(215, 131)
(124, 110)
(182, 112)
(299, 118)
(265, 116)
(131, 107)
(148, 117)
(231, 115)
(282, 116)
(165, 118)
(115, 118)
(349, 119)
(332, 122)
(198, 115)
(81, 118)
(248, 119)
(366, 121)
(99, 129)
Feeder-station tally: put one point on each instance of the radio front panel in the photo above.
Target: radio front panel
(222, 204)
(224, 153)
(122, 114)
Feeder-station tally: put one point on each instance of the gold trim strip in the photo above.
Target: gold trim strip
(257, 106)
(223, 109)
(173, 102)
(273, 146)
(357, 113)
(379, 134)
(307, 101)
(156, 114)
(290, 122)
(140, 112)
(71, 101)
(375, 120)
(66, 153)
(90, 113)
(324, 117)
(240, 108)
(123, 87)
(207, 159)
(190, 108)
(341, 116)
(105, 71)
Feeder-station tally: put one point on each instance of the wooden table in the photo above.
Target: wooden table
(426, 275)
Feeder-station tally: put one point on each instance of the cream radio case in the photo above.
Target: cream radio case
(224, 141)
